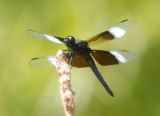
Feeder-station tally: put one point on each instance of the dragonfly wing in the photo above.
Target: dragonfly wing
(114, 32)
(112, 57)
(122, 28)
(123, 56)
(43, 62)
(54, 39)
(50, 62)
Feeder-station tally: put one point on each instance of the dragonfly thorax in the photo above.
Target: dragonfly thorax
(69, 41)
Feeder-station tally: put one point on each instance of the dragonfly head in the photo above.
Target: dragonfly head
(69, 41)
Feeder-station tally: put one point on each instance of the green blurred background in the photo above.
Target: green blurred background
(27, 91)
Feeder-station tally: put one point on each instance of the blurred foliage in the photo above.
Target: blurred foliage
(23, 89)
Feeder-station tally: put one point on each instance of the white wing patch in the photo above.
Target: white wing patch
(123, 56)
(52, 60)
(122, 28)
(52, 38)
(117, 32)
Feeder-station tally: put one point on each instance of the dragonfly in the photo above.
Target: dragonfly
(78, 53)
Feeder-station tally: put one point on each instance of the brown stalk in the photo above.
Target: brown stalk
(67, 95)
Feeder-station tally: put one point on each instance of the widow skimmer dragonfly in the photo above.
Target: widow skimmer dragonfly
(80, 55)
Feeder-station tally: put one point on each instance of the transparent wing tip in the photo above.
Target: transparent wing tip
(130, 20)
(34, 33)
(30, 31)
(123, 56)
(43, 62)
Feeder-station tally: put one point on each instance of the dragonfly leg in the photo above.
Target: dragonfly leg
(73, 57)
(68, 53)
(65, 50)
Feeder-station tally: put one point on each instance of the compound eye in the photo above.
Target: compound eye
(71, 39)
(65, 40)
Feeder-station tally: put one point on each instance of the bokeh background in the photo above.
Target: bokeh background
(27, 91)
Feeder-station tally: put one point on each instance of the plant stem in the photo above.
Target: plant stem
(67, 95)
